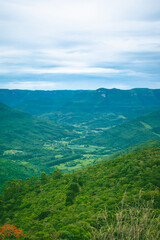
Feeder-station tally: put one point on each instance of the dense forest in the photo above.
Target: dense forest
(80, 164)
(73, 206)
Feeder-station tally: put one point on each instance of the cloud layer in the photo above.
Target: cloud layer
(79, 44)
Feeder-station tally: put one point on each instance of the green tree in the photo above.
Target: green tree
(44, 178)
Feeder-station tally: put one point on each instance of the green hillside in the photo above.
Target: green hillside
(87, 164)
(88, 204)
(94, 109)
(129, 133)
(18, 128)
(22, 140)
(81, 100)
(29, 145)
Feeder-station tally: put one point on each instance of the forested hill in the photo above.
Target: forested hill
(87, 204)
(100, 100)
(18, 128)
(22, 141)
(139, 130)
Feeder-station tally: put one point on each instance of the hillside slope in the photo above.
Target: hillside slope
(18, 128)
(30, 145)
(93, 108)
(67, 207)
(139, 130)
(22, 140)
(101, 99)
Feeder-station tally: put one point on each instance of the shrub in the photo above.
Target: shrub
(136, 222)
(11, 232)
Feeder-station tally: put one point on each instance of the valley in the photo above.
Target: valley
(31, 145)
(66, 156)
(79, 120)
(72, 129)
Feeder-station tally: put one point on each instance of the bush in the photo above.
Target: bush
(11, 232)
(136, 222)
(73, 232)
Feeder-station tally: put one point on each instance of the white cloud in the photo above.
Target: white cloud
(77, 36)
(60, 85)
(69, 70)
(43, 85)
(46, 85)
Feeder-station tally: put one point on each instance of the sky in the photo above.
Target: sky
(79, 44)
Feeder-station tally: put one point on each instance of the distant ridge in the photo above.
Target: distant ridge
(80, 102)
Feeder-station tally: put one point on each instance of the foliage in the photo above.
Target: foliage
(22, 140)
(32, 145)
(137, 221)
(73, 201)
(9, 231)
(120, 137)
(51, 205)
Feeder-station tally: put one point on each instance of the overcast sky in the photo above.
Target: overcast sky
(79, 44)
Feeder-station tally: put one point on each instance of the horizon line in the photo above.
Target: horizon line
(101, 88)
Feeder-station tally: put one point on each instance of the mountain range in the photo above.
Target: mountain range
(87, 107)
(80, 164)
(83, 127)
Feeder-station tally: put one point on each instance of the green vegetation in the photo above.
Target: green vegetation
(22, 139)
(136, 221)
(114, 194)
(93, 109)
(74, 206)
(30, 145)
(139, 130)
